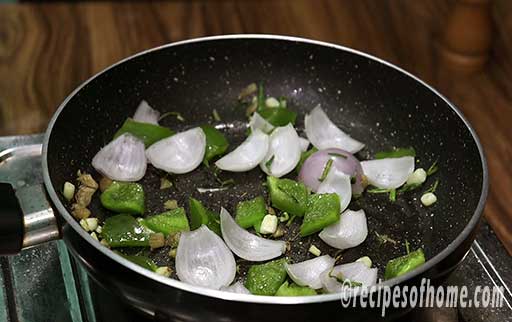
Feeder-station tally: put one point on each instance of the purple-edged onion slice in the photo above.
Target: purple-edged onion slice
(258, 122)
(237, 287)
(354, 272)
(180, 153)
(283, 152)
(123, 159)
(146, 114)
(203, 259)
(246, 245)
(324, 134)
(350, 231)
(339, 183)
(343, 161)
(247, 155)
(307, 273)
(389, 173)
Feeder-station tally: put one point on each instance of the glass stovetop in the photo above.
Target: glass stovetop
(45, 284)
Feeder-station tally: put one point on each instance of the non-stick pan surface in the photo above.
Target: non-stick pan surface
(373, 101)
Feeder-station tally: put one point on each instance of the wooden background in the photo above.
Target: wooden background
(46, 50)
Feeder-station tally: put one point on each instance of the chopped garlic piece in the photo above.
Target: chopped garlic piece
(269, 224)
(366, 261)
(89, 224)
(156, 240)
(171, 204)
(165, 183)
(164, 271)
(92, 223)
(279, 233)
(272, 102)
(83, 223)
(314, 250)
(68, 191)
(428, 199)
(417, 177)
(94, 236)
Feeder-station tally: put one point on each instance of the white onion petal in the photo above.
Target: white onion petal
(247, 155)
(284, 150)
(339, 183)
(259, 123)
(307, 273)
(203, 259)
(389, 173)
(246, 245)
(324, 134)
(123, 159)
(180, 153)
(146, 114)
(350, 231)
(355, 272)
(237, 287)
(304, 144)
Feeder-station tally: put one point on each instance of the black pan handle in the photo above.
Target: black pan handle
(26, 218)
(12, 229)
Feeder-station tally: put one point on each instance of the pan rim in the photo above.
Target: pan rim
(249, 298)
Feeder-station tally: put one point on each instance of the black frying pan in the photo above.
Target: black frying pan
(374, 101)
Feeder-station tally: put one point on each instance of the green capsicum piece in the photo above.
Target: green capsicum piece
(148, 133)
(125, 231)
(199, 215)
(250, 213)
(257, 226)
(216, 143)
(322, 210)
(124, 197)
(265, 279)
(278, 116)
(288, 195)
(142, 261)
(294, 290)
(401, 265)
(213, 221)
(303, 156)
(169, 222)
